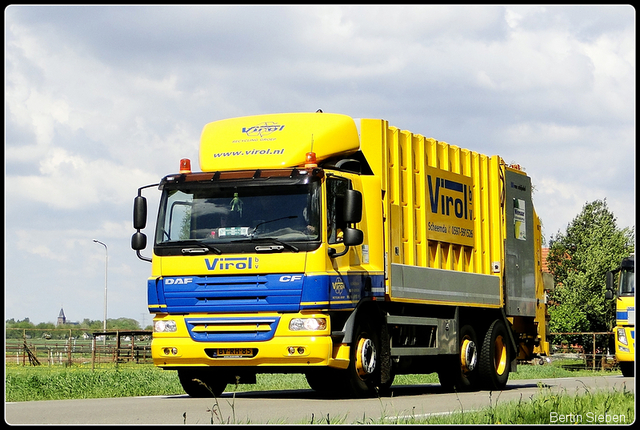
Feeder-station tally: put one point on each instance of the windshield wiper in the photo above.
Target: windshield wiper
(278, 242)
(253, 232)
(202, 250)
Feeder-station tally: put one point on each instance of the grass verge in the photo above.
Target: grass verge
(80, 382)
(598, 407)
(55, 383)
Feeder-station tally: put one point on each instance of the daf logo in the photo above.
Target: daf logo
(178, 281)
(264, 129)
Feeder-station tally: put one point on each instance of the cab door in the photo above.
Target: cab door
(346, 276)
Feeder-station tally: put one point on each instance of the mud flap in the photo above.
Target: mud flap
(385, 355)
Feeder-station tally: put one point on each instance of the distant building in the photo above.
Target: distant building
(61, 317)
(545, 265)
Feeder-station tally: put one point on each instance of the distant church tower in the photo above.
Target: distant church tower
(61, 318)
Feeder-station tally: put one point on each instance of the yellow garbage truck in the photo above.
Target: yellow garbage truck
(344, 249)
(624, 331)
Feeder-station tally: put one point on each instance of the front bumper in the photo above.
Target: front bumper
(195, 342)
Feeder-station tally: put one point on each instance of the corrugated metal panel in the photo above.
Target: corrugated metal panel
(444, 205)
(410, 159)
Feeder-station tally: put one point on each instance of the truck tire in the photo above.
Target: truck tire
(495, 357)
(201, 382)
(627, 368)
(363, 373)
(326, 381)
(460, 372)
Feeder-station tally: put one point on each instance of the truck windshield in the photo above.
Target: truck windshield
(284, 211)
(627, 282)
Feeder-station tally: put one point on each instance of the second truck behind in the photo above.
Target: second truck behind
(624, 331)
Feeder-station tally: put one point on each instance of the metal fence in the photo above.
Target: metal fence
(66, 347)
(61, 348)
(584, 350)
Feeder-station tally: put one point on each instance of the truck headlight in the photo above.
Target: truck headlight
(622, 337)
(309, 324)
(164, 326)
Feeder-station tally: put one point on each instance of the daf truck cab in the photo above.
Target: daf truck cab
(624, 293)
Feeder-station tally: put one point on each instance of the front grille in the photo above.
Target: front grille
(232, 329)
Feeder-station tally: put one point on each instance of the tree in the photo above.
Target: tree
(579, 260)
(123, 323)
(92, 325)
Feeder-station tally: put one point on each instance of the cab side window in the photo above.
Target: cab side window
(336, 188)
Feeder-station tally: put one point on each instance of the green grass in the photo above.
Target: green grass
(55, 383)
(556, 371)
(598, 407)
(80, 382)
(524, 372)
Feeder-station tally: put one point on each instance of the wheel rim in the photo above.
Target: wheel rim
(468, 355)
(500, 348)
(365, 357)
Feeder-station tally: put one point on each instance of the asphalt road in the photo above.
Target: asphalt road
(292, 406)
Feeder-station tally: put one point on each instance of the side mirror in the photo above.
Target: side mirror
(138, 241)
(610, 281)
(352, 237)
(352, 214)
(139, 213)
(611, 288)
(352, 206)
(608, 294)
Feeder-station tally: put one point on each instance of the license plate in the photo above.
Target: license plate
(233, 352)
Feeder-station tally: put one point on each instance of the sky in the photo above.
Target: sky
(101, 100)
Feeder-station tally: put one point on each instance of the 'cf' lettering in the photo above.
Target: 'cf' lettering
(288, 278)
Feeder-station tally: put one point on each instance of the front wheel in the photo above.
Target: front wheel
(366, 361)
(627, 368)
(326, 381)
(201, 382)
(495, 357)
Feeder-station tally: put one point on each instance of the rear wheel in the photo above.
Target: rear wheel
(495, 357)
(201, 382)
(461, 371)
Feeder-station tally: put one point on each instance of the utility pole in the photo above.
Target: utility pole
(106, 264)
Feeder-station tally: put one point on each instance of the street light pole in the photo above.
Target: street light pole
(106, 262)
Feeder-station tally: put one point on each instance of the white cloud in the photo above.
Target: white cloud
(69, 182)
